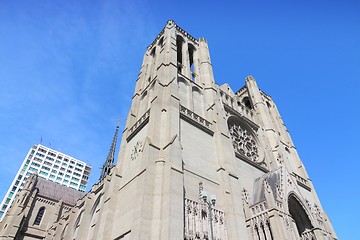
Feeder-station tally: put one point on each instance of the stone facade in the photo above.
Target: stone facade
(186, 136)
(36, 207)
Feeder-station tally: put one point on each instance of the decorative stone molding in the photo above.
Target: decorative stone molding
(244, 143)
(197, 222)
(138, 125)
(138, 147)
(316, 212)
(245, 196)
(302, 182)
(195, 120)
(280, 158)
(235, 104)
(258, 208)
(186, 35)
(308, 235)
(260, 226)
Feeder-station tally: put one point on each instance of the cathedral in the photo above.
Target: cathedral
(196, 161)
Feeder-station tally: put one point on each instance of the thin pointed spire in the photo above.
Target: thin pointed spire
(109, 163)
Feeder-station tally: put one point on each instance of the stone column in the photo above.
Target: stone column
(196, 65)
(206, 72)
(262, 114)
(185, 60)
(261, 232)
(267, 231)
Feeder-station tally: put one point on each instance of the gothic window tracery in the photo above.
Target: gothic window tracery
(244, 143)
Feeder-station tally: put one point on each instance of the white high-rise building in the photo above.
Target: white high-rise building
(51, 165)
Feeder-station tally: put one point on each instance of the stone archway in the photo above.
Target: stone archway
(299, 215)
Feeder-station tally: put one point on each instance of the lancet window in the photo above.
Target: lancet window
(62, 235)
(39, 216)
(179, 44)
(77, 223)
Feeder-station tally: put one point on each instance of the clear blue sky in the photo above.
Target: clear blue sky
(68, 71)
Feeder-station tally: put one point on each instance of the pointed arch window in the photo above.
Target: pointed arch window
(300, 217)
(192, 50)
(77, 223)
(39, 216)
(161, 42)
(95, 208)
(179, 45)
(63, 232)
(93, 217)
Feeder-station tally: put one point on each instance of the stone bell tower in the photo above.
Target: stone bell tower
(174, 91)
(199, 161)
(184, 130)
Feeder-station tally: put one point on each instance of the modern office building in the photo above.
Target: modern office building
(51, 165)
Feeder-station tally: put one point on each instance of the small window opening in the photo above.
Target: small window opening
(39, 216)
(161, 41)
(152, 53)
(268, 104)
(143, 95)
(193, 76)
(179, 43)
(246, 102)
(191, 58)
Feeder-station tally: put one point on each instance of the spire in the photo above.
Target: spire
(109, 163)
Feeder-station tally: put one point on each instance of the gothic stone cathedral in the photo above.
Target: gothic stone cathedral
(197, 161)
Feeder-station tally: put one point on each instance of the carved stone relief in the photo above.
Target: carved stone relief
(138, 147)
(245, 196)
(244, 143)
(198, 223)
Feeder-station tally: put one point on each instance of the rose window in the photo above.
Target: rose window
(244, 143)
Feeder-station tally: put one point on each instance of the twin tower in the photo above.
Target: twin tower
(198, 161)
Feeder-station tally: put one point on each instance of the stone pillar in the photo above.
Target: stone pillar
(196, 65)
(206, 72)
(267, 231)
(277, 225)
(156, 61)
(261, 232)
(262, 114)
(254, 231)
(185, 60)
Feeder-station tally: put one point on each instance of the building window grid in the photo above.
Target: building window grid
(72, 165)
